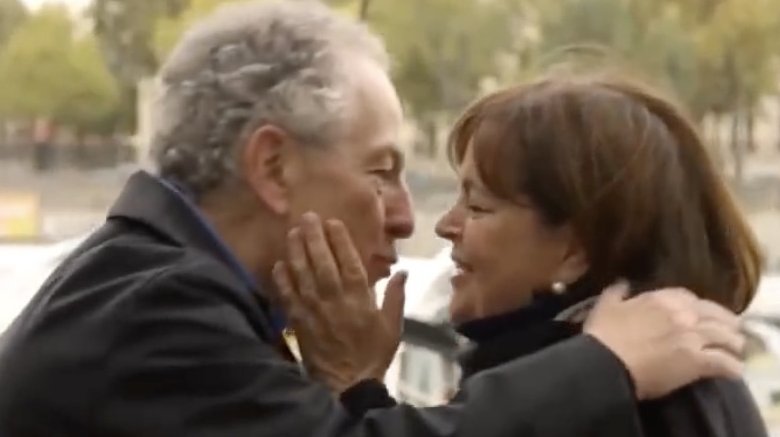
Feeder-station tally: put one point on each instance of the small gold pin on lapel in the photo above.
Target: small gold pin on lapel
(292, 343)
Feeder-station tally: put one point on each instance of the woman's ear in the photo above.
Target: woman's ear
(266, 160)
(574, 260)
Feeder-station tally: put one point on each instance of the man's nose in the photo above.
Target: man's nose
(399, 211)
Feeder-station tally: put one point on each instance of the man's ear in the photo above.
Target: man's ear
(574, 263)
(267, 156)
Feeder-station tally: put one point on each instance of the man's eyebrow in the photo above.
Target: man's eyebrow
(397, 156)
(391, 150)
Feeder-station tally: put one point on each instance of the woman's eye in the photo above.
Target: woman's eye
(477, 209)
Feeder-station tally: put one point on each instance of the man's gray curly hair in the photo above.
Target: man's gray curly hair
(246, 65)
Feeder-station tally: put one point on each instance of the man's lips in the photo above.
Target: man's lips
(387, 259)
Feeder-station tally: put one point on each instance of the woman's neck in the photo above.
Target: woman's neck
(543, 307)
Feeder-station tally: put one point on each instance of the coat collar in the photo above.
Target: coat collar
(146, 200)
(169, 212)
(160, 206)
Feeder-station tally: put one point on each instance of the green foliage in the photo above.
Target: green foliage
(47, 71)
(442, 49)
(717, 56)
(126, 31)
(169, 29)
(12, 13)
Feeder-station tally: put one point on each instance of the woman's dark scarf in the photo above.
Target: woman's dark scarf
(549, 318)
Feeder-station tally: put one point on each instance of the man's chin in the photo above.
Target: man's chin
(375, 278)
(378, 273)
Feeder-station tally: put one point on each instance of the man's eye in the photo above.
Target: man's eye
(382, 172)
(379, 178)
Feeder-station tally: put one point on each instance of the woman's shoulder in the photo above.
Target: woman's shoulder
(715, 407)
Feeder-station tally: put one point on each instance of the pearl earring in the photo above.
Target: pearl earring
(559, 287)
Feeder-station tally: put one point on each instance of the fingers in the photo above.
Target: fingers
(716, 335)
(717, 363)
(615, 293)
(319, 253)
(353, 275)
(323, 264)
(302, 275)
(678, 306)
(712, 324)
(393, 304)
(610, 297)
(708, 310)
(284, 287)
(286, 294)
(674, 298)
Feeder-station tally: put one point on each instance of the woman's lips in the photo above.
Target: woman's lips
(460, 265)
(458, 280)
(461, 272)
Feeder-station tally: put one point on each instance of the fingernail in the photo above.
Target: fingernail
(400, 277)
(311, 217)
(293, 233)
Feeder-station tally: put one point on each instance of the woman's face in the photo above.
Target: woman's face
(503, 250)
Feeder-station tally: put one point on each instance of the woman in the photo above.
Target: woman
(569, 184)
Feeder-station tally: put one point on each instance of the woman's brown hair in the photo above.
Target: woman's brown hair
(626, 168)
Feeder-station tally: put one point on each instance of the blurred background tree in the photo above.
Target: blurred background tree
(12, 13)
(719, 57)
(439, 64)
(444, 53)
(126, 30)
(168, 29)
(48, 70)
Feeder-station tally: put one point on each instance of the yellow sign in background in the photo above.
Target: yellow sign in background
(20, 215)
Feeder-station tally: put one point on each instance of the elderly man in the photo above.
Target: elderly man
(161, 323)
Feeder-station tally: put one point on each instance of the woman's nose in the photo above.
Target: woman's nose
(448, 226)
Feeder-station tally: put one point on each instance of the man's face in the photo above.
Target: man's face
(359, 179)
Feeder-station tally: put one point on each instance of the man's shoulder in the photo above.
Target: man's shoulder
(115, 275)
(114, 281)
(141, 257)
(142, 273)
(111, 269)
(122, 265)
(190, 277)
(118, 306)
